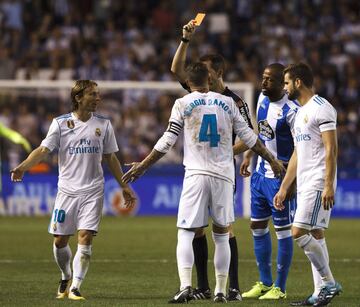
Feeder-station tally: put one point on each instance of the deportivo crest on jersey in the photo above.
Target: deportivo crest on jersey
(266, 133)
(97, 132)
(70, 123)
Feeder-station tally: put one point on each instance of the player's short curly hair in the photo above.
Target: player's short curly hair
(217, 61)
(300, 71)
(78, 89)
(197, 74)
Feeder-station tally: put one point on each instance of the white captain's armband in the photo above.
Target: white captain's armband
(169, 137)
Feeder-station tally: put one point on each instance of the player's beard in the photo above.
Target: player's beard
(294, 94)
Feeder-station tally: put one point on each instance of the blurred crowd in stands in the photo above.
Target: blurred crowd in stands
(136, 40)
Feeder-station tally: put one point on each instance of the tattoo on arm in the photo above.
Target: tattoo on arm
(152, 158)
(261, 150)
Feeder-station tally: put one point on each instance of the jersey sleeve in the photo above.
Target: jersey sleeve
(52, 139)
(110, 144)
(241, 128)
(176, 124)
(326, 117)
(176, 113)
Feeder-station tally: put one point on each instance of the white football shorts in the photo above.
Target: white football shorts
(203, 196)
(72, 213)
(310, 213)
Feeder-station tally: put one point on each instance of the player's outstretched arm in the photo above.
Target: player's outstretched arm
(139, 168)
(239, 148)
(178, 62)
(34, 158)
(286, 183)
(115, 168)
(275, 164)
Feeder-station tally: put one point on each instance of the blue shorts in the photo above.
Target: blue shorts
(263, 190)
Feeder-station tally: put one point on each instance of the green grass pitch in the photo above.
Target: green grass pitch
(133, 263)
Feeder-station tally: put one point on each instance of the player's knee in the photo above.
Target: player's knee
(220, 229)
(85, 237)
(318, 234)
(298, 232)
(231, 231)
(60, 241)
(200, 232)
(258, 224)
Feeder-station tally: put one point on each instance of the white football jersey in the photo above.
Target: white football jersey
(275, 124)
(80, 148)
(316, 116)
(208, 120)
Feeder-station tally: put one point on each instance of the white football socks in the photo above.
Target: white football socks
(316, 255)
(80, 265)
(221, 261)
(63, 259)
(185, 256)
(318, 283)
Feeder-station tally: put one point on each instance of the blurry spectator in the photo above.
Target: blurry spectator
(7, 64)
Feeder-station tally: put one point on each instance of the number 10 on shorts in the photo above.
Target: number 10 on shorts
(59, 216)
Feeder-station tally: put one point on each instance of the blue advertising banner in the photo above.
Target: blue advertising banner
(158, 194)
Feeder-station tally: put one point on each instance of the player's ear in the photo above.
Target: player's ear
(298, 83)
(77, 98)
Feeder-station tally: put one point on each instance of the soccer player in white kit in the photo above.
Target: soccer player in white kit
(208, 120)
(82, 139)
(313, 163)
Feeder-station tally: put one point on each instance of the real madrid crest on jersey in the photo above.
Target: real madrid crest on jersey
(306, 119)
(70, 123)
(97, 132)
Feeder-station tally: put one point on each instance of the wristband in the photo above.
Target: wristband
(185, 40)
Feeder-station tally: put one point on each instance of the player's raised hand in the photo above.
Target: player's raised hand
(328, 197)
(278, 168)
(244, 168)
(137, 170)
(16, 174)
(279, 198)
(129, 197)
(189, 29)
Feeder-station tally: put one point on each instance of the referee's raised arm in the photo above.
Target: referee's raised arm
(178, 62)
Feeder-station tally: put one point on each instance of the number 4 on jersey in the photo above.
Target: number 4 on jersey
(208, 130)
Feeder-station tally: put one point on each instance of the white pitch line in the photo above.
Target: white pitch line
(14, 261)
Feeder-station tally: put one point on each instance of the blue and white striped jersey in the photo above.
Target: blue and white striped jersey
(275, 124)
